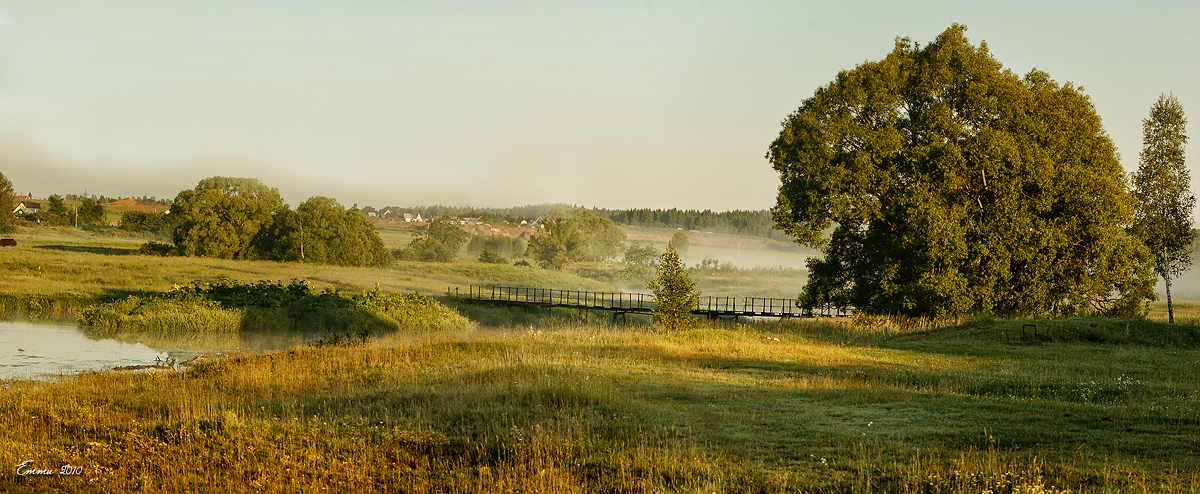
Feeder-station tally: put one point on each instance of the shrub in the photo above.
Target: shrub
(491, 257)
(228, 306)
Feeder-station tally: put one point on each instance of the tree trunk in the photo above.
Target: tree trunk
(1170, 309)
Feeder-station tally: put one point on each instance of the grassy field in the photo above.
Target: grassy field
(396, 237)
(530, 401)
(55, 272)
(567, 407)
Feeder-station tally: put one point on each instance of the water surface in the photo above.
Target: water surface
(43, 351)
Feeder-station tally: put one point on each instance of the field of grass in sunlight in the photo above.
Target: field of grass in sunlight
(569, 406)
(56, 272)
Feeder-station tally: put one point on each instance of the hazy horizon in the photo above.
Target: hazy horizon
(616, 105)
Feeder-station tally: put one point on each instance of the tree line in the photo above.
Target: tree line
(566, 238)
(241, 218)
(753, 223)
(54, 210)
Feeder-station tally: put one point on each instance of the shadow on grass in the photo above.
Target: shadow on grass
(750, 422)
(992, 334)
(91, 249)
(113, 294)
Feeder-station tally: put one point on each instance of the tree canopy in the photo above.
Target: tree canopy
(604, 239)
(240, 218)
(321, 231)
(935, 182)
(641, 255)
(438, 241)
(1162, 186)
(574, 236)
(8, 202)
(681, 241)
(147, 222)
(560, 243)
(90, 211)
(222, 215)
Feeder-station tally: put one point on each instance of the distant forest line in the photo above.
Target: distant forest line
(753, 223)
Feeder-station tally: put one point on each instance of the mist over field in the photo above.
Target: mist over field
(1187, 287)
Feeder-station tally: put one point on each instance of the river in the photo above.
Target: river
(46, 351)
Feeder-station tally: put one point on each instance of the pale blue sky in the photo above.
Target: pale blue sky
(611, 104)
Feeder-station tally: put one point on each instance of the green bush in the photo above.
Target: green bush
(499, 244)
(229, 306)
(153, 248)
(490, 256)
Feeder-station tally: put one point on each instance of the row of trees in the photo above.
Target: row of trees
(755, 223)
(571, 237)
(54, 210)
(937, 183)
(240, 218)
(579, 236)
(232, 218)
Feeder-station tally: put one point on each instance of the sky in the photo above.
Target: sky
(614, 104)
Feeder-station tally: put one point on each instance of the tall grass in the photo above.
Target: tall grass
(574, 407)
(44, 307)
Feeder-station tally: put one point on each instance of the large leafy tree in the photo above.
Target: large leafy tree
(90, 211)
(222, 215)
(559, 244)
(1162, 187)
(321, 231)
(439, 241)
(604, 238)
(8, 202)
(937, 183)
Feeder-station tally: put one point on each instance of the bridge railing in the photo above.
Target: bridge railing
(585, 299)
(750, 305)
(549, 296)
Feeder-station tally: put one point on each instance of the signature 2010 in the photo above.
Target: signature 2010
(24, 468)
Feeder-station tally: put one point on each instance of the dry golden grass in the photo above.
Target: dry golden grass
(574, 407)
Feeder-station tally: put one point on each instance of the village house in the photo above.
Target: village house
(27, 207)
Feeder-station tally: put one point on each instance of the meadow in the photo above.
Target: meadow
(561, 401)
(56, 272)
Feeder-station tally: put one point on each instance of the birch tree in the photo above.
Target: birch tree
(1162, 188)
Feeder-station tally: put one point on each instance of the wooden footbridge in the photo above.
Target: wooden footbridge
(624, 303)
